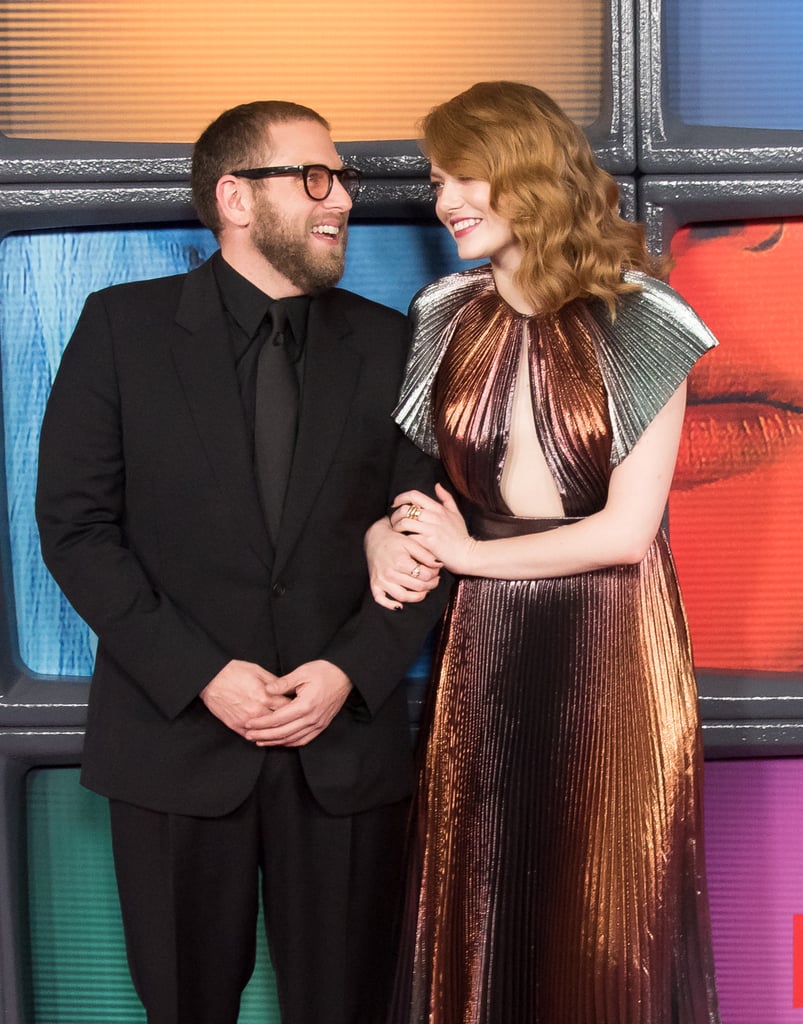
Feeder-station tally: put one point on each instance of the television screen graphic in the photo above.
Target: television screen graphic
(737, 501)
(734, 65)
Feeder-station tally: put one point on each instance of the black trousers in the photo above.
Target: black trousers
(189, 891)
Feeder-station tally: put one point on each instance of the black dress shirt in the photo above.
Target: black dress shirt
(246, 307)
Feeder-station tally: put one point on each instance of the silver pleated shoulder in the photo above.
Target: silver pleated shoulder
(645, 354)
(432, 313)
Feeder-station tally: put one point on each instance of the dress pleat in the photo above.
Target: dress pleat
(557, 869)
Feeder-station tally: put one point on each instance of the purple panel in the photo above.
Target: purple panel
(754, 836)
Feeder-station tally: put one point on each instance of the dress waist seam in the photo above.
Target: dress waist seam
(493, 526)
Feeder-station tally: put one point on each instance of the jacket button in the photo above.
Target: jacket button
(278, 589)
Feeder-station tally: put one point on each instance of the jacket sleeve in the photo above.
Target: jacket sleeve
(376, 647)
(81, 512)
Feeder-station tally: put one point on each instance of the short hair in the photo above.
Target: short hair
(562, 206)
(234, 140)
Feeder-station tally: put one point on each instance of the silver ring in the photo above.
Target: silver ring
(415, 571)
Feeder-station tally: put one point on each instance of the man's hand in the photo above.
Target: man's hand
(240, 692)
(320, 689)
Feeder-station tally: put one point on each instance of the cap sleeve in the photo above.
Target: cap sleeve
(645, 353)
(433, 313)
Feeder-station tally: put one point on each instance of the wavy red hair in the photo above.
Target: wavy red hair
(562, 206)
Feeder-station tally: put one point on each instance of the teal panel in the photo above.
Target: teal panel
(76, 963)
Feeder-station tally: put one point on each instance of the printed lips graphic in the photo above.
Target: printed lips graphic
(737, 500)
(738, 418)
(745, 399)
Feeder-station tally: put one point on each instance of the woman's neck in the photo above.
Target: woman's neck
(510, 291)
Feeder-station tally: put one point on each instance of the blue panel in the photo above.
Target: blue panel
(735, 63)
(391, 262)
(44, 279)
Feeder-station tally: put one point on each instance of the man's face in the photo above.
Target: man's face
(304, 239)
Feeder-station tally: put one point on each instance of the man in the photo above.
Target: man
(245, 710)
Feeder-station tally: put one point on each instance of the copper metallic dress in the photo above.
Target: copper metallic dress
(557, 873)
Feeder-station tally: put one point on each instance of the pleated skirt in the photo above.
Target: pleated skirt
(556, 865)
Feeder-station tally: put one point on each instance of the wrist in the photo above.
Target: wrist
(376, 530)
(471, 558)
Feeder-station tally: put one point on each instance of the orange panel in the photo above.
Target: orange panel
(155, 71)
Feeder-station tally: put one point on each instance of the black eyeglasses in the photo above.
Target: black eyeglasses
(317, 178)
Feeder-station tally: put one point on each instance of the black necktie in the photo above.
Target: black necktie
(276, 417)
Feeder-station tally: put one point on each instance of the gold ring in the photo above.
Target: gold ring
(413, 512)
(415, 571)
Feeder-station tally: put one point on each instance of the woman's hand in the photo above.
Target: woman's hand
(438, 525)
(621, 533)
(402, 571)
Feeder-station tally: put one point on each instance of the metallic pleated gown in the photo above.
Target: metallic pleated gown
(556, 870)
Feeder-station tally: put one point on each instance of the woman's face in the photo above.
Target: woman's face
(463, 205)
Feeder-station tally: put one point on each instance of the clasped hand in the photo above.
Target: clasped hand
(277, 711)
(427, 534)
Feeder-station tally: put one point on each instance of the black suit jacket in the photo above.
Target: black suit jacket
(150, 522)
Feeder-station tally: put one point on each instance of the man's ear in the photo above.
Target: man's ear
(234, 200)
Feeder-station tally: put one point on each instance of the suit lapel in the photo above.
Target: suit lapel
(204, 365)
(331, 372)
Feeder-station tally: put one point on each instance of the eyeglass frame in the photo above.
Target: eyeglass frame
(257, 173)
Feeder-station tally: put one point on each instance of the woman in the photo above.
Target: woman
(558, 871)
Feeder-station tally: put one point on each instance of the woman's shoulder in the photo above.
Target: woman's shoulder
(664, 311)
(432, 312)
(644, 354)
(452, 290)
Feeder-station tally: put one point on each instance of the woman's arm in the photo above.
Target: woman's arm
(620, 534)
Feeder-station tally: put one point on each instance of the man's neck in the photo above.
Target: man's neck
(256, 269)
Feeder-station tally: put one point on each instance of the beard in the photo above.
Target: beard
(287, 248)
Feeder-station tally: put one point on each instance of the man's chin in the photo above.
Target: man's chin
(324, 276)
